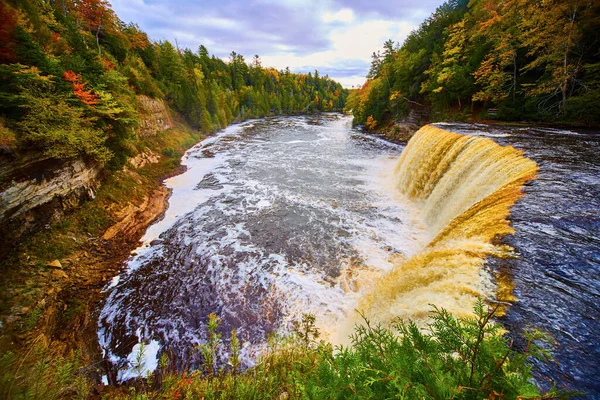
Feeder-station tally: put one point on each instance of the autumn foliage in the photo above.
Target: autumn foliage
(7, 26)
(528, 60)
(93, 12)
(79, 88)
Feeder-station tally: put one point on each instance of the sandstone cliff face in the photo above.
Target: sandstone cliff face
(35, 190)
(153, 116)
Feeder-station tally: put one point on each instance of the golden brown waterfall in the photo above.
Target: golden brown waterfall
(464, 187)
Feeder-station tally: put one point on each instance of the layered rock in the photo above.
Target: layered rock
(153, 116)
(34, 189)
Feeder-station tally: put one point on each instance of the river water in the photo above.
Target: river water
(284, 216)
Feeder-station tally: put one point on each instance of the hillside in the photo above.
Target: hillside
(77, 83)
(472, 60)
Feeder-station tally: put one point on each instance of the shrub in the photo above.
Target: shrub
(466, 358)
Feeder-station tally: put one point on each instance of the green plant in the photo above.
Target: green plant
(33, 318)
(234, 345)
(37, 374)
(305, 330)
(461, 358)
(209, 349)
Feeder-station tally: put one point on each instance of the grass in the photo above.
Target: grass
(466, 358)
(39, 374)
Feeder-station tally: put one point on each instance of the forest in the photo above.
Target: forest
(480, 59)
(70, 72)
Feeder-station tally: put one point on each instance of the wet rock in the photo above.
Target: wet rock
(55, 264)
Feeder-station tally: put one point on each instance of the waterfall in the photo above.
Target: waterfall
(464, 187)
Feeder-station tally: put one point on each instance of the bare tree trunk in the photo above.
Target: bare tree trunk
(98, 39)
(565, 84)
(515, 76)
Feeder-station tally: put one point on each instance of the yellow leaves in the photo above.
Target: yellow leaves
(8, 138)
(492, 78)
(198, 76)
(34, 72)
(274, 73)
(371, 123)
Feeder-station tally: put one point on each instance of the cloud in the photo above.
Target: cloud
(337, 37)
(345, 15)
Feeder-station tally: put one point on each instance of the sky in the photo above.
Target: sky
(337, 37)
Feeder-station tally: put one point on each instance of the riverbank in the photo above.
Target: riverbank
(52, 282)
(400, 132)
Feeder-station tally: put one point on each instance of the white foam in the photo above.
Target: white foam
(142, 361)
(375, 221)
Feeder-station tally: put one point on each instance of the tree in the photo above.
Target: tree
(450, 75)
(555, 43)
(7, 50)
(95, 15)
(498, 26)
(205, 122)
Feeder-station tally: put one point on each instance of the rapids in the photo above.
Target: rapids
(283, 216)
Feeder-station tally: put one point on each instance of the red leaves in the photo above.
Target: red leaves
(107, 64)
(7, 16)
(93, 12)
(79, 88)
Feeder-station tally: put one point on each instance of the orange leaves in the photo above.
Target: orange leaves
(7, 16)
(86, 96)
(107, 64)
(93, 12)
(371, 123)
(138, 39)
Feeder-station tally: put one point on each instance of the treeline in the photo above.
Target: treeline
(508, 59)
(71, 70)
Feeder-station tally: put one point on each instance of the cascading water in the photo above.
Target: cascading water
(464, 187)
(283, 216)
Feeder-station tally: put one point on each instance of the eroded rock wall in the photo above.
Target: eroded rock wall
(153, 116)
(35, 190)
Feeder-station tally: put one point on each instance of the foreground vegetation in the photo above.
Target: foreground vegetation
(509, 59)
(454, 358)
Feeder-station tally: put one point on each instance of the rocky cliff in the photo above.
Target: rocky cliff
(35, 190)
(153, 116)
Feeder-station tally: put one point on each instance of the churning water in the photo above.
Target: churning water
(284, 216)
(273, 218)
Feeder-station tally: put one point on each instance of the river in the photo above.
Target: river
(284, 216)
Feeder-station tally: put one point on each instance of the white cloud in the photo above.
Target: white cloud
(355, 81)
(345, 15)
(349, 43)
(335, 36)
